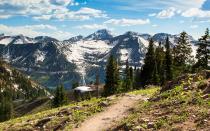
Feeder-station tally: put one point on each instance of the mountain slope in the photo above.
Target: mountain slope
(52, 62)
(19, 85)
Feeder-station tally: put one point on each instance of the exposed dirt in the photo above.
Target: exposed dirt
(106, 119)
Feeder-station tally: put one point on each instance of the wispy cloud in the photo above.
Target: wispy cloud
(47, 9)
(195, 12)
(35, 30)
(92, 26)
(194, 26)
(127, 22)
(154, 25)
(137, 5)
(168, 13)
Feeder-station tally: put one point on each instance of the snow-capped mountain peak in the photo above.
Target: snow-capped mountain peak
(74, 39)
(102, 34)
(45, 39)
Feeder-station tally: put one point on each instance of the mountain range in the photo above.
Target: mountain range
(51, 62)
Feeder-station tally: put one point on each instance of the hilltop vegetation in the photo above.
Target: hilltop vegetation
(65, 117)
(15, 89)
(183, 106)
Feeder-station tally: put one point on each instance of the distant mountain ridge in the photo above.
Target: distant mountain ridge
(51, 61)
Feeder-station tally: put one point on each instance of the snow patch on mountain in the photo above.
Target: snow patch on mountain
(125, 54)
(143, 41)
(39, 56)
(6, 41)
(82, 52)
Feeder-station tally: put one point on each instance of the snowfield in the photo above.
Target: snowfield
(82, 51)
(6, 41)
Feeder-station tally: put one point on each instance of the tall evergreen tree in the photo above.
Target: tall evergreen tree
(6, 105)
(159, 64)
(137, 78)
(149, 65)
(97, 82)
(128, 85)
(60, 97)
(183, 50)
(168, 61)
(112, 77)
(131, 75)
(202, 51)
(156, 78)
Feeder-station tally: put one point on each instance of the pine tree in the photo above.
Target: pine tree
(183, 50)
(6, 105)
(75, 85)
(97, 82)
(112, 77)
(202, 51)
(168, 61)
(60, 97)
(137, 78)
(131, 75)
(155, 77)
(149, 65)
(159, 63)
(128, 78)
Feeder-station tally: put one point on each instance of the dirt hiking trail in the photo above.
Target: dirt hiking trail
(115, 112)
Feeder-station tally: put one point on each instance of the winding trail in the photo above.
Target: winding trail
(106, 119)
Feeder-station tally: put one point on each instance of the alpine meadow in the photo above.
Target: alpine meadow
(104, 65)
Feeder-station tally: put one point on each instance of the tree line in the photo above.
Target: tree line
(162, 63)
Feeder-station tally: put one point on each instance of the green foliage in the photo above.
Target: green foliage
(168, 62)
(60, 97)
(75, 84)
(6, 106)
(202, 51)
(112, 80)
(137, 79)
(148, 92)
(182, 51)
(78, 112)
(128, 78)
(149, 66)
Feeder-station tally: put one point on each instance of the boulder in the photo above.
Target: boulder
(150, 125)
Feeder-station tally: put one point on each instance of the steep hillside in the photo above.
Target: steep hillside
(19, 95)
(19, 85)
(183, 104)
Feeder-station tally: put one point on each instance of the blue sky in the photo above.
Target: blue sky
(63, 19)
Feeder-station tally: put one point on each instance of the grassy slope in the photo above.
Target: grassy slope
(59, 118)
(176, 109)
(31, 107)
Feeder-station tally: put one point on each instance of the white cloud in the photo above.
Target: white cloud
(168, 13)
(47, 9)
(153, 14)
(74, 4)
(190, 12)
(35, 30)
(127, 22)
(195, 12)
(154, 25)
(194, 26)
(92, 26)
(62, 2)
(139, 5)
